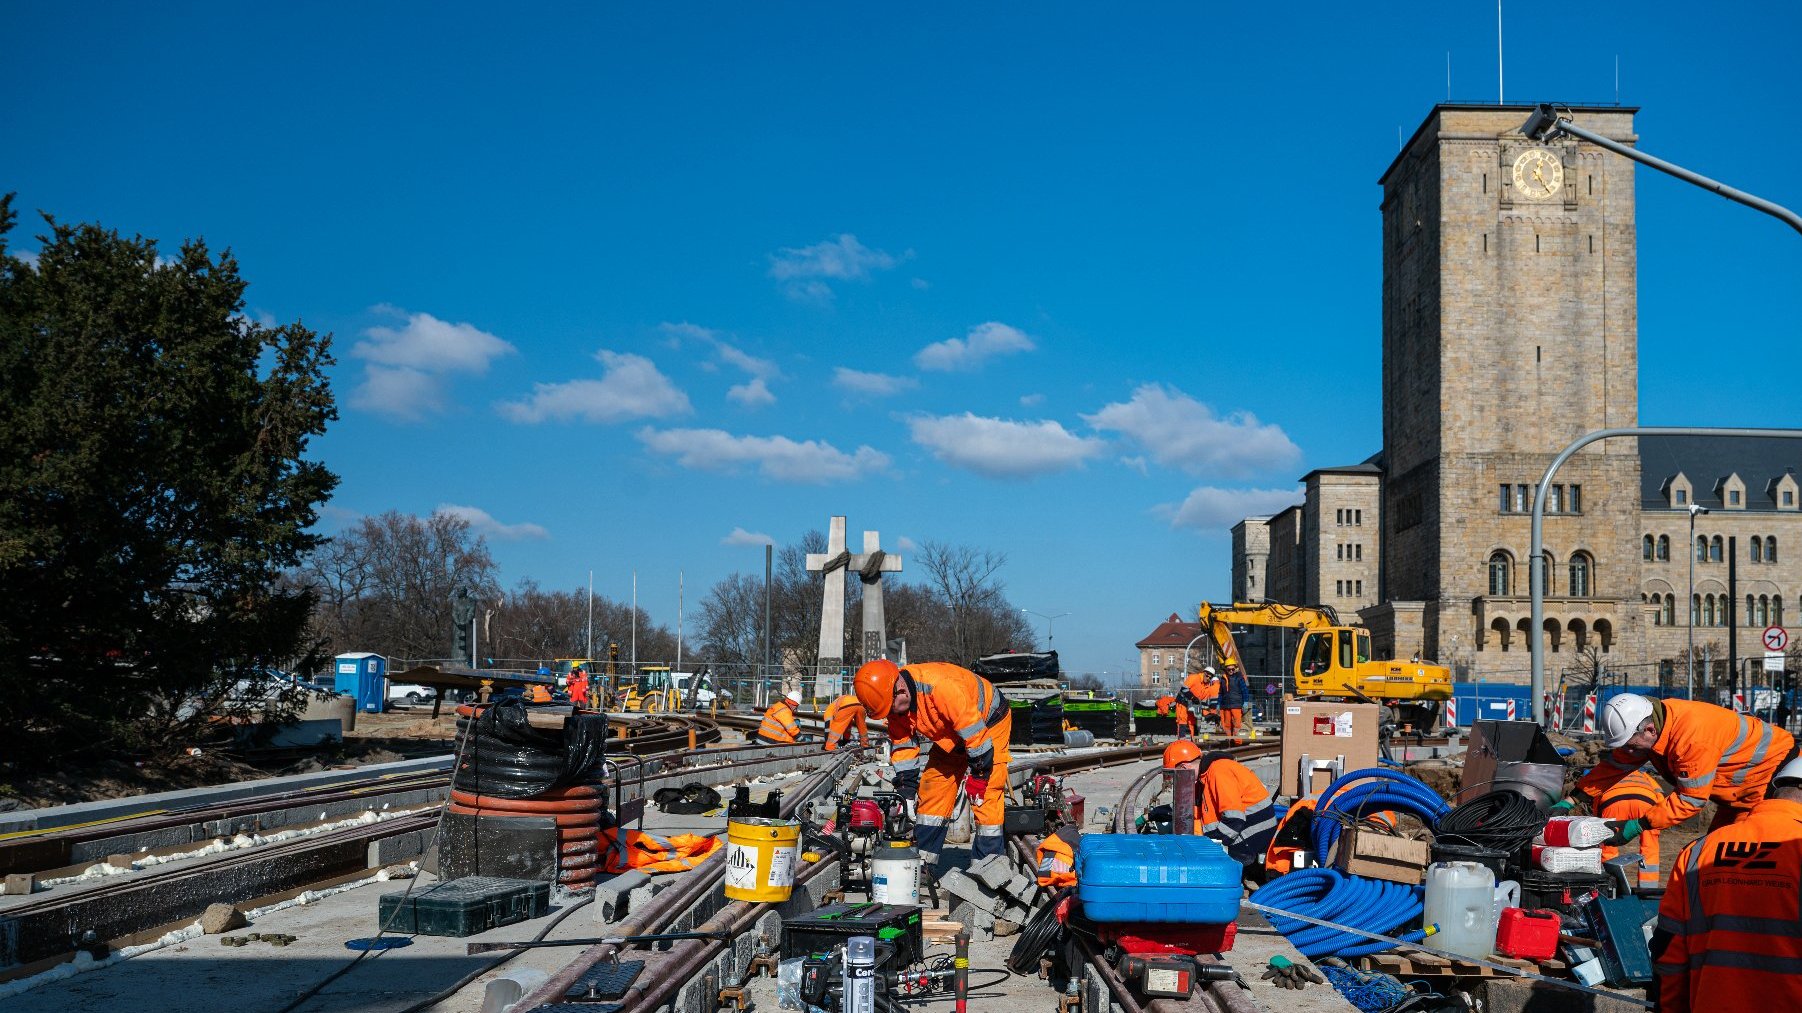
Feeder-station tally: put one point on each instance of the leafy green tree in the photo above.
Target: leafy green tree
(153, 490)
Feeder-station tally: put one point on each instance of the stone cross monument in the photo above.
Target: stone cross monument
(870, 566)
(832, 612)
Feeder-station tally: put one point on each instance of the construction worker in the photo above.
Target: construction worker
(1199, 692)
(1231, 803)
(841, 715)
(1729, 931)
(1235, 692)
(1631, 798)
(1057, 857)
(779, 725)
(578, 687)
(968, 724)
(1705, 751)
(1185, 720)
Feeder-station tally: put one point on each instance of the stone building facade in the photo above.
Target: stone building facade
(1166, 650)
(1510, 329)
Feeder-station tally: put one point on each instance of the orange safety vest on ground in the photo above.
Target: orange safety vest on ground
(1707, 752)
(1630, 798)
(779, 724)
(1057, 858)
(1233, 807)
(1730, 927)
(654, 854)
(538, 694)
(1280, 858)
(841, 714)
(968, 723)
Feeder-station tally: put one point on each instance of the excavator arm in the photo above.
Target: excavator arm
(1219, 621)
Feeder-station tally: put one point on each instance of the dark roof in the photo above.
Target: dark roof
(1705, 460)
(1172, 632)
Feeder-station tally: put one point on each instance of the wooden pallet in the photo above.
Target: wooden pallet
(936, 927)
(1418, 964)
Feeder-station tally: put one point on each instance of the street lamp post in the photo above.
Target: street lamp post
(1049, 638)
(1690, 605)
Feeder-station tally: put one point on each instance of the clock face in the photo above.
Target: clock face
(1538, 174)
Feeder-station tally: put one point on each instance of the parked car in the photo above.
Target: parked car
(411, 694)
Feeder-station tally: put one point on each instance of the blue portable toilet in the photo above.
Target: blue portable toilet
(364, 676)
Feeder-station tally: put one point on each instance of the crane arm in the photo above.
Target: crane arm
(1219, 621)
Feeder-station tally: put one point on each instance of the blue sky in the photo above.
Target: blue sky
(636, 286)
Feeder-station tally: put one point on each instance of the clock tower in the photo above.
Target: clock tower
(1509, 329)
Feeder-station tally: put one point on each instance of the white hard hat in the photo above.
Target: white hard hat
(1623, 716)
(1790, 772)
(795, 695)
(1210, 670)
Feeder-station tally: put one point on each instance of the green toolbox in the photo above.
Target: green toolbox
(464, 907)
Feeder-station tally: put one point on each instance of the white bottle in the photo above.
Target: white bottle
(1461, 901)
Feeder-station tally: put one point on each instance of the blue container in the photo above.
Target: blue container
(1187, 879)
(364, 676)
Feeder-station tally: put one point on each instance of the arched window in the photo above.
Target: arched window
(1546, 570)
(1580, 572)
(1670, 610)
(1664, 546)
(1501, 573)
(1695, 610)
(1708, 610)
(1645, 549)
(1701, 548)
(1764, 610)
(1501, 630)
(1776, 610)
(1605, 634)
(1757, 549)
(1770, 549)
(1579, 634)
(1554, 635)
(1714, 549)
(1751, 604)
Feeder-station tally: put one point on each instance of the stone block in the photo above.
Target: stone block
(979, 923)
(222, 918)
(1006, 927)
(992, 872)
(1020, 888)
(19, 884)
(119, 861)
(613, 898)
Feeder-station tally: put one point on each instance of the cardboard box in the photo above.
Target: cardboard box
(1323, 731)
(1362, 851)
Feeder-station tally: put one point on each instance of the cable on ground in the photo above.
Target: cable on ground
(1330, 895)
(1371, 788)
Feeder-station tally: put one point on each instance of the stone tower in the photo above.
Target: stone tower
(1509, 329)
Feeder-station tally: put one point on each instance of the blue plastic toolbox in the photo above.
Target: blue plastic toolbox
(1157, 878)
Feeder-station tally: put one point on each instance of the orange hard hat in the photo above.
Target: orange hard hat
(1180, 752)
(875, 684)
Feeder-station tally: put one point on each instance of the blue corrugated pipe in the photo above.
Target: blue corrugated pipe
(1329, 895)
(1380, 789)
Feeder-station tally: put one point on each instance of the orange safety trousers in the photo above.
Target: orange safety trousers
(939, 786)
(1631, 798)
(1232, 721)
(1730, 926)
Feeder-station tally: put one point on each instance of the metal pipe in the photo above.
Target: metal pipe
(1536, 563)
(1545, 124)
(1182, 801)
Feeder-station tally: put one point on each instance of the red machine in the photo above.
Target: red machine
(1162, 938)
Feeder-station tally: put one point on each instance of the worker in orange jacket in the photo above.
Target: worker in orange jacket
(841, 715)
(1729, 931)
(968, 724)
(1231, 803)
(1185, 721)
(1705, 750)
(1057, 857)
(779, 724)
(1200, 692)
(578, 687)
(1629, 798)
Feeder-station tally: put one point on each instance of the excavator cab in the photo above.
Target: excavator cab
(652, 691)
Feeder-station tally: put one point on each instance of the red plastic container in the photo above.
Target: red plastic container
(1527, 935)
(1158, 937)
(1076, 804)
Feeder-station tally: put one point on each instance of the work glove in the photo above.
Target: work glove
(1563, 805)
(1286, 974)
(1622, 831)
(976, 788)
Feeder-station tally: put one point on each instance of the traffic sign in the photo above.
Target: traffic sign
(1776, 638)
(1773, 661)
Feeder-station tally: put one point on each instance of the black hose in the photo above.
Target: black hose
(1500, 820)
(1038, 935)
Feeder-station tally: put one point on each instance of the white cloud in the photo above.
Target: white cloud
(483, 523)
(753, 393)
(407, 368)
(856, 381)
(740, 536)
(1209, 508)
(775, 457)
(805, 271)
(1002, 448)
(921, 283)
(985, 341)
(631, 388)
(1179, 431)
(1137, 463)
(906, 544)
(1031, 400)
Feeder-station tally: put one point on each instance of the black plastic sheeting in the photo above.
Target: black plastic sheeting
(505, 757)
(1037, 722)
(999, 668)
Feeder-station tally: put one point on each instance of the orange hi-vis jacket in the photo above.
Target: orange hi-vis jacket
(653, 853)
(1233, 807)
(1202, 687)
(1630, 798)
(958, 710)
(1730, 927)
(1057, 857)
(779, 724)
(1707, 752)
(841, 714)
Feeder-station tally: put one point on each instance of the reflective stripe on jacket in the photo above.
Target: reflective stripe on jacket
(958, 710)
(843, 713)
(1233, 807)
(1057, 857)
(779, 724)
(1730, 926)
(1707, 752)
(1631, 798)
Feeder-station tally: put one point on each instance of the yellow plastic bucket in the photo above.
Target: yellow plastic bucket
(760, 858)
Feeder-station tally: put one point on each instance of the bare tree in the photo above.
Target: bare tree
(964, 579)
(731, 622)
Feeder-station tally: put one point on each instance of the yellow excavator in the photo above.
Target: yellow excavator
(1334, 660)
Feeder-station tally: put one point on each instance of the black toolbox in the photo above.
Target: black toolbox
(898, 925)
(464, 907)
(1561, 890)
